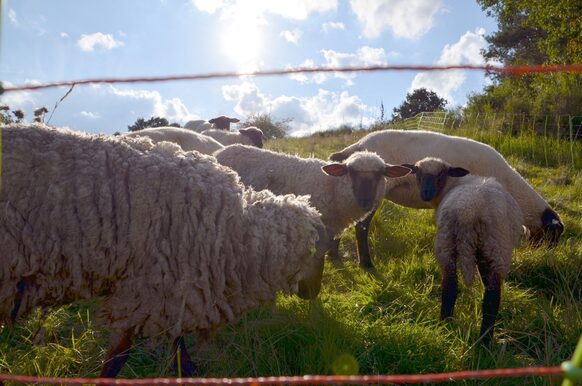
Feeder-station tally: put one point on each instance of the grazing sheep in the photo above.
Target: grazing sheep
(223, 122)
(187, 139)
(342, 192)
(400, 146)
(198, 125)
(171, 240)
(251, 136)
(478, 225)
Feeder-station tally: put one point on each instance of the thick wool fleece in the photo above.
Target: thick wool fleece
(171, 240)
(283, 173)
(475, 215)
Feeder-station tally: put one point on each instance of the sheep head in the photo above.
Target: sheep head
(431, 177)
(366, 171)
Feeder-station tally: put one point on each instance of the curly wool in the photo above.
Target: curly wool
(170, 239)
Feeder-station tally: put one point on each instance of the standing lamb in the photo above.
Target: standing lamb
(400, 146)
(170, 240)
(252, 136)
(223, 122)
(342, 192)
(187, 139)
(478, 225)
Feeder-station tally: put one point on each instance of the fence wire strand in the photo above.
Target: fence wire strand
(300, 380)
(509, 70)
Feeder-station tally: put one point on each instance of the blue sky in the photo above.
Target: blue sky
(45, 41)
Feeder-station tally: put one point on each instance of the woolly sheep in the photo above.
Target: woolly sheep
(187, 139)
(399, 146)
(478, 225)
(252, 136)
(223, 122)
(342, 192)
(170, 240)
(198, 125)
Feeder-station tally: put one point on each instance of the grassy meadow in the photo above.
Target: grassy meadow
(364, 324)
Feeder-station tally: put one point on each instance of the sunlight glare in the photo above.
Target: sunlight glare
(242, 44)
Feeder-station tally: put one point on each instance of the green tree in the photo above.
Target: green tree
(270, 128)
(141, 123)
(418, 101)
(533, 32)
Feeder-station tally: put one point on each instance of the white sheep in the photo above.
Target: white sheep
(252, 136)
(170, 240)
(401, 146)
(187, 139)
(342, 192)
(198, 125)
(478, 225)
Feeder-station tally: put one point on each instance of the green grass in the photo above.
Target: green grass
(364, 324)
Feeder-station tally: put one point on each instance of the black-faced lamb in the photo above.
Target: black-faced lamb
(187, 139)
(342, 192)
(478, 225)
(409, 146)
(223, 122)
(171, 241)
(251, 136)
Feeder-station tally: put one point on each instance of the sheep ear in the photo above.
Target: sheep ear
(394, 171)
(413, 169)
(338, 157)
(234, 120)
(457, 172)
(335, 169)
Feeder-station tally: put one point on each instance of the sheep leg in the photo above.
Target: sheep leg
(491, 300)
(117, 354)
(450, 289)
(20, 288)
(362, 232)
(333, 252)
(186, 365)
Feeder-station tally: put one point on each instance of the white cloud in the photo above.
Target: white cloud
(292, 36)
(256, 9)
(12, 17)
(405, 18)
(90, 115)
(323, 111)
(364, 57)
(330, 25)
(64, 35)
(466, 51)
(88, 43)
(17, 100)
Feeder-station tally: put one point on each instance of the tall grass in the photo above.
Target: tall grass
(364, 324)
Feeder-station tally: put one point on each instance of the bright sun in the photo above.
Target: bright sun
(242, 43)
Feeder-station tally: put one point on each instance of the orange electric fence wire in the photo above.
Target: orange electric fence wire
(299, 380)
(511, 70)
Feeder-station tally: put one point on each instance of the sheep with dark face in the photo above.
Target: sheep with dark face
(409, 146)
(342, 192)
(223, 122)
(478, 225)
